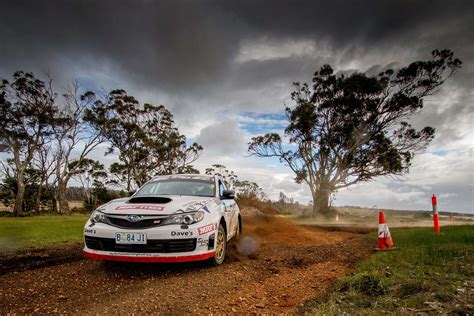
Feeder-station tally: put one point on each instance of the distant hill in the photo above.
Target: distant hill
(365, 211)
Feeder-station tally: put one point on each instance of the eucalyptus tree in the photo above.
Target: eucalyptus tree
(144, 137)
(229, 177)
(91, 174)
(250, 190)
(346, 129)
(9, 187)
(43, 161)
(74, 139)
(243, 188)
(27, 113)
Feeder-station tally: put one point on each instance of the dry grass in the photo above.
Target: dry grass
(76, 204)
(365, 217)
(429, 273)
(4, 208)
(265, 207)
(72, 204)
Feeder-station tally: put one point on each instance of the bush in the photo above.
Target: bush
(367, 284)
(422, 215)
(265, 207)
(410, 288)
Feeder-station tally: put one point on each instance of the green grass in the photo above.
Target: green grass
(40, 231)
(427, 273)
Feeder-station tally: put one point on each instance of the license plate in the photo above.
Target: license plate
(130, 238)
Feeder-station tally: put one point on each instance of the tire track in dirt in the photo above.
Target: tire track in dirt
(31, 259)
(292, 264)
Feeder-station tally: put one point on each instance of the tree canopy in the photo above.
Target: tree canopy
(145, 138)
(27, 113)
(51, 137)
(243, 188)
(345, 129)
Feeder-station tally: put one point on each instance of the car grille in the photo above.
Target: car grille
(144, 223)
(152, 246)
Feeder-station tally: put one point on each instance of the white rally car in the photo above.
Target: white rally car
(173, 218)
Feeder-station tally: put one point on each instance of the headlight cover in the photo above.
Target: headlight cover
(181, 218)
(97, 217)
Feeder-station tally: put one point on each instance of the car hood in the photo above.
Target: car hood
(163, 205)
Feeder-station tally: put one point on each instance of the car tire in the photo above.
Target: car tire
(221, 247)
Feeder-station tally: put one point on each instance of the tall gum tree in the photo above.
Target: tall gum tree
(144, 137)
(74, 139)
(347, 129)
(27, 111)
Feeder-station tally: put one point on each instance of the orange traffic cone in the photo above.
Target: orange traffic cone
(385, 240)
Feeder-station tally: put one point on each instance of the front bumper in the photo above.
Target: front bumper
(164, 244)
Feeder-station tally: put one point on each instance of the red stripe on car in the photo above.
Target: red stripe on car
(97, 256)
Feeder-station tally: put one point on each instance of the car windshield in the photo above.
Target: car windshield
(193, 187)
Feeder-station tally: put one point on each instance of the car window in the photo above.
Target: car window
(221, 188)
(192, 187)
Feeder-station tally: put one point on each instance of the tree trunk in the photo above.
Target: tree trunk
(38, 200)
(129, 181)
(54, 201)
(20, 194)
(62, 198)
(321, 202)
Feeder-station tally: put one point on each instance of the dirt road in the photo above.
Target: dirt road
(290, 265)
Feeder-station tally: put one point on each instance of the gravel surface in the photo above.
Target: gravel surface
(274, 269)
(38, 258)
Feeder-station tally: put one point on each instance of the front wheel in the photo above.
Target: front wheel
(221, 247)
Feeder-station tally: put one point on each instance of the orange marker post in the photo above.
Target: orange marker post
(435, 213)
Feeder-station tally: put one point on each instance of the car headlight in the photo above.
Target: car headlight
(97, 217)
(184, 218)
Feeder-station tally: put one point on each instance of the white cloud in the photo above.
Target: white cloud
(267, 49)
(380, 194)
(449, 176)
(222, 138)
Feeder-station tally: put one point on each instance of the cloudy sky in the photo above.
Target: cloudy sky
(225, 68)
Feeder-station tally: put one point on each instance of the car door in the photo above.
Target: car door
(230, 213)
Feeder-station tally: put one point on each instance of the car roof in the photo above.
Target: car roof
(185, 176)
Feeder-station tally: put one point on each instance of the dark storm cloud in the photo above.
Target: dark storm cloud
(210, 61)
(167, 42)
(341, 20)
(180, 45)
(184, 53)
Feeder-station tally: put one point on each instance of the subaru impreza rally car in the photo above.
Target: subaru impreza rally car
(174, 218)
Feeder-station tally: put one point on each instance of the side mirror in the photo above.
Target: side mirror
(130, 193)
(228, 195)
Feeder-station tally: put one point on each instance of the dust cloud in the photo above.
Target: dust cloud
(247, 246)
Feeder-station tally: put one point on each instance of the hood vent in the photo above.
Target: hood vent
(149, 199)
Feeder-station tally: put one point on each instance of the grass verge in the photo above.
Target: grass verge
(428, 273)
(40, 231)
